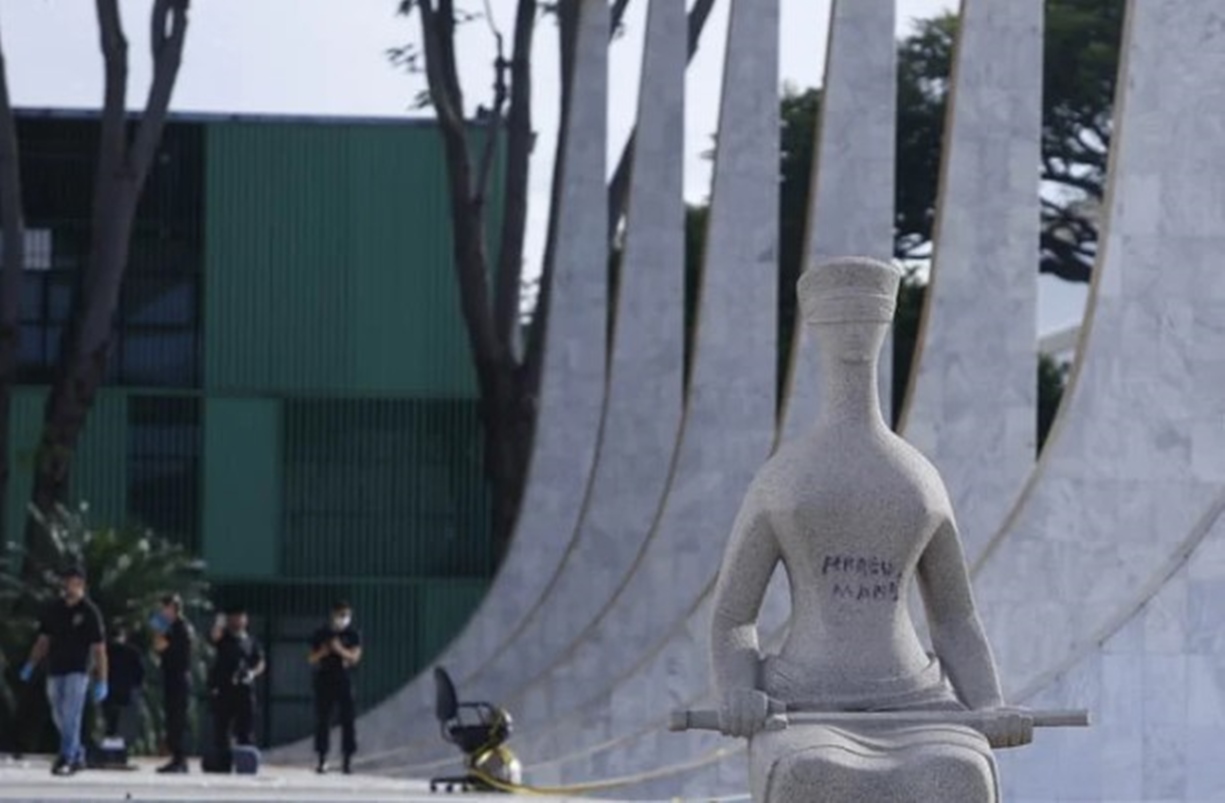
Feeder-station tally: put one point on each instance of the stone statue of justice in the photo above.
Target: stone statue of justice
(853, 707)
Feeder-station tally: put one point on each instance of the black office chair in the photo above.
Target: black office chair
(479, 730)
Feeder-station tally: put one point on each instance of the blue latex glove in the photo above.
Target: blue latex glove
(101, 690)
(27, 672)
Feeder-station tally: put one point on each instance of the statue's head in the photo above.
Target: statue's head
(852, 301)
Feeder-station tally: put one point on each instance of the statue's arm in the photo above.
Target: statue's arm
(748, 563)
(957, 633)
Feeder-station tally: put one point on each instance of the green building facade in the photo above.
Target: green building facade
(291, 391)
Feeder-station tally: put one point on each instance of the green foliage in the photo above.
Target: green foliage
(906, 322)
(798, 121)
(1052, 379)
(925, 61)
(129, 569)
(696, 217)
(1082, 40)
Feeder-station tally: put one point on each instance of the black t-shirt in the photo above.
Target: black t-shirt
(176, 658)
(332, 665)
(235, 656)
(73, 630)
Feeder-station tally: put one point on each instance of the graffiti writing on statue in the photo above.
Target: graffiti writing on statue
(862, 579)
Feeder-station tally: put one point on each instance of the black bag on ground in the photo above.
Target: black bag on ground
(245, 759)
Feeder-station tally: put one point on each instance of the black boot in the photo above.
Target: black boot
(348, 765)
(322, 767)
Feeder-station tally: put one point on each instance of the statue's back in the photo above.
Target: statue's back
(851, 518)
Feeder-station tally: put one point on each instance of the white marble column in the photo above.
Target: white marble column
(972, 406)
(851, 199)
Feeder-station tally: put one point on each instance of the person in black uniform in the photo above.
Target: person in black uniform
(239, 661)
(127, 676)
(335, 649)
(69, 635)
(172, 641)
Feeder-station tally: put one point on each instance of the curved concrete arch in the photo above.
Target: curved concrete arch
(1138, 448)
(571, 396)
(972, 402)
(728, 422)
(644, 405)
(850, 206)
(631, 694)
(628, 692)
(988, 136)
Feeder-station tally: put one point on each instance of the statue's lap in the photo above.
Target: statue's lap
(812, 763)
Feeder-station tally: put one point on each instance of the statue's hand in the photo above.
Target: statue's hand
(1008, 727)
(744, 712)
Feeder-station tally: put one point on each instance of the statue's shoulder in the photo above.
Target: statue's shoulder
(781, 469)
(918, 468)
(909, 452)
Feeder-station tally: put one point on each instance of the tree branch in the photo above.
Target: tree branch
(167, 52)
(616, 15)
(112, 145)
(519, 141)
(467, 235)
(490, 146)
(447, 104)
(446, 40)
(1062, 259)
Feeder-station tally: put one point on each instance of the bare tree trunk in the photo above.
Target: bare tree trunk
(123, 167)
(12, 259)
(489, 299)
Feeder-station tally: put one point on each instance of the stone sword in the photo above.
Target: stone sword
(780, 717)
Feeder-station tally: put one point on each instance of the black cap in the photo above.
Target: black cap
(72, 571)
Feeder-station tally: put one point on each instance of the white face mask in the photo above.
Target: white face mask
(341, 622)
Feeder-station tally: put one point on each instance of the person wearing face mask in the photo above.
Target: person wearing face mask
(172, 640)
(335, 649)
(70, 633)
(239, 661)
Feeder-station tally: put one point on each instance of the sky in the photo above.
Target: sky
(328, 57)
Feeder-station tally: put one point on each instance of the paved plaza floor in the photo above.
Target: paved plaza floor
(30, 779)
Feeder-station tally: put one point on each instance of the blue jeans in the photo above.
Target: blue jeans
(67, 696)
